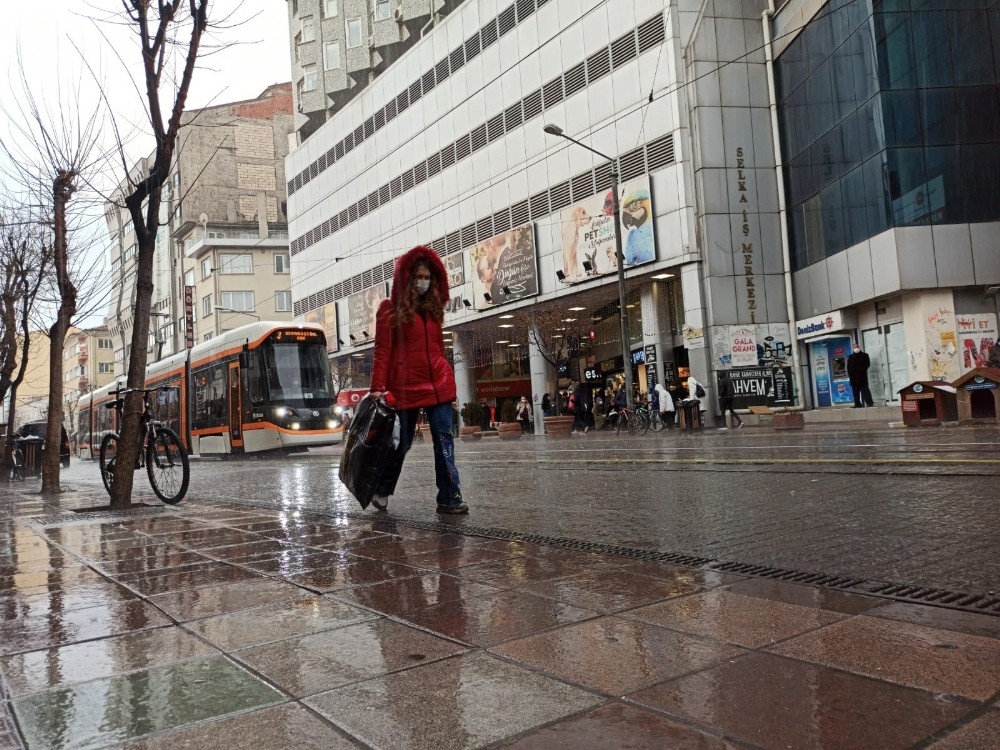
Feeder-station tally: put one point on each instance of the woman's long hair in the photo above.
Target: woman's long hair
(412, 302)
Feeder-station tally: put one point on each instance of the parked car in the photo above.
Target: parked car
(38, 429)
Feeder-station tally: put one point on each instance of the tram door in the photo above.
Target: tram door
(235, 407)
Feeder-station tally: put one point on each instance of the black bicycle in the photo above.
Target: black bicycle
(160, 452)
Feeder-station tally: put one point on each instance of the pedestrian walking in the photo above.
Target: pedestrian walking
(546, 405)
(581, 403)
(857, 371)
(410, 364)
(486, 420)
(524, 414)
(456, 414)
(665, 405)
(726, 395)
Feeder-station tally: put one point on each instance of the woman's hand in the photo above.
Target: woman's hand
(376, 395)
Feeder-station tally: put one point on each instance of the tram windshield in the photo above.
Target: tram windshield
(295, 374)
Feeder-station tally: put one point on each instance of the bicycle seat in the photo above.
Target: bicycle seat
(115, 404)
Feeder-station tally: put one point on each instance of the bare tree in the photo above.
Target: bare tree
(162, 29)
(25, 260)
(543, 326)
(342, 375)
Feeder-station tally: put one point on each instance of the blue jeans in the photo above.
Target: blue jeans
(445, 471)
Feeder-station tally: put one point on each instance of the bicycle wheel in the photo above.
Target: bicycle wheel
(109, 459)
(167, 466)
(642, 422)
(17, 465)
(656, 422)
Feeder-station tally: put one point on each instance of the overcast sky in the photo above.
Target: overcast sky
(51, 31)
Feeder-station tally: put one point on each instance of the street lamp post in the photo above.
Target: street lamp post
(552, 129)
(158, 334)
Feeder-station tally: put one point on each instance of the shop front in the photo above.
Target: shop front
(829, 340)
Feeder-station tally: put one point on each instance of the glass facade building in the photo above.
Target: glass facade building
(890, 117)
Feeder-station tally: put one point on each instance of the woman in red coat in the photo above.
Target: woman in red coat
(411, 366)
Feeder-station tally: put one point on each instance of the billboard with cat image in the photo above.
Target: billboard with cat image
(588, 232)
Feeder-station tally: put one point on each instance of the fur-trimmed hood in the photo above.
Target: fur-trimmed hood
(404, 267)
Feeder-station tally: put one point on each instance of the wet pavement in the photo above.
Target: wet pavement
(271, 613)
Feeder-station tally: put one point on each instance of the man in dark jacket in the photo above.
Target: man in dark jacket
(857, 370)
(726, 395)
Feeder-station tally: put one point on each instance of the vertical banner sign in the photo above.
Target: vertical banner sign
(743, 346)
(330, 327)
(189, 316)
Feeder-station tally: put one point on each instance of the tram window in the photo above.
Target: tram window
(166, 407)
(210, 393)
(297, 373)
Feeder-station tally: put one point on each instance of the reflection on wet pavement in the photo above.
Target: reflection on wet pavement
(215, 625)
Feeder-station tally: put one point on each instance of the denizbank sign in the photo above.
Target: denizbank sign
(822, 324)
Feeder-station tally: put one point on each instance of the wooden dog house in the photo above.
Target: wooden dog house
(978, 394)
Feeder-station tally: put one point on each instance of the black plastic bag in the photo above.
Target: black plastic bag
(371, 461)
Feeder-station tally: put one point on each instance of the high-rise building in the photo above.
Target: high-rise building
(759, 237)
(223, 232)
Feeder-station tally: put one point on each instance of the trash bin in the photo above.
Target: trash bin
(690, 415)
(31, 449)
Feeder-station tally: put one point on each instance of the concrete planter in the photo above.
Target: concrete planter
(559, 427)
(509, 430)
(790, 420)
(469, 434)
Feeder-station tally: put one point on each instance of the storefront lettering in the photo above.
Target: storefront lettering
(747, 247)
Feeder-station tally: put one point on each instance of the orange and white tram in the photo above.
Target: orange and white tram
(260, 387)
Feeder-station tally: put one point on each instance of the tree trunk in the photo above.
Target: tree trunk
(62, 189)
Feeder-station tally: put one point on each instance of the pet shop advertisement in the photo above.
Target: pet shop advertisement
(588, 232)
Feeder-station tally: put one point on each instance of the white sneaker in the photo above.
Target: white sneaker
(381, 502)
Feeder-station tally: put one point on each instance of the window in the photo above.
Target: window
(329, 8)
(104, 344)
(382, 11)
(105, 368)
(283, 301)
(331, 55)
(353, 32)
(308, 29)
(206, 305)
(281, 263)
(309, 78)
(240, 301)
(189, 278)
(207, 337)
(236, 263)
(206, 268)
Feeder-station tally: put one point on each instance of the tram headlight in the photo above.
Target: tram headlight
(295, 425)
(332, 424)
(338, 410)
(281, 412)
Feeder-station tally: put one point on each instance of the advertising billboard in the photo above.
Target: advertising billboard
(588, 232)
(504, 268)
(361, 311)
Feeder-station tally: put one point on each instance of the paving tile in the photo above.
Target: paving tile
(939, 617)
(614, 655)
(464, 702)
(193, 604)
(611, 590)
(616, 725)
(462, 556)
(773, 702)
(294, 562)
(59, 599)
(806, 596)
(159, 557)
(253, 551)
(743, 620)
(180, 581)
(275, 622)
(397, 598)
(68, 575)
(494, 618)
(79, 662)
(286, 726)
(322, 661)
(941, 661)
(354, 571)
(55, 629)
(115, 709)
(982, 733)
(402, 548)
(521, 571)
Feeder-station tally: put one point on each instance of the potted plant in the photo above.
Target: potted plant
(509, 428)
(472, 414)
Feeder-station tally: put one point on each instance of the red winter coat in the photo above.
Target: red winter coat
(409, 358)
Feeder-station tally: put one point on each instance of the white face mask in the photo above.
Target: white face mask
(856, 350)
(422, 285)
